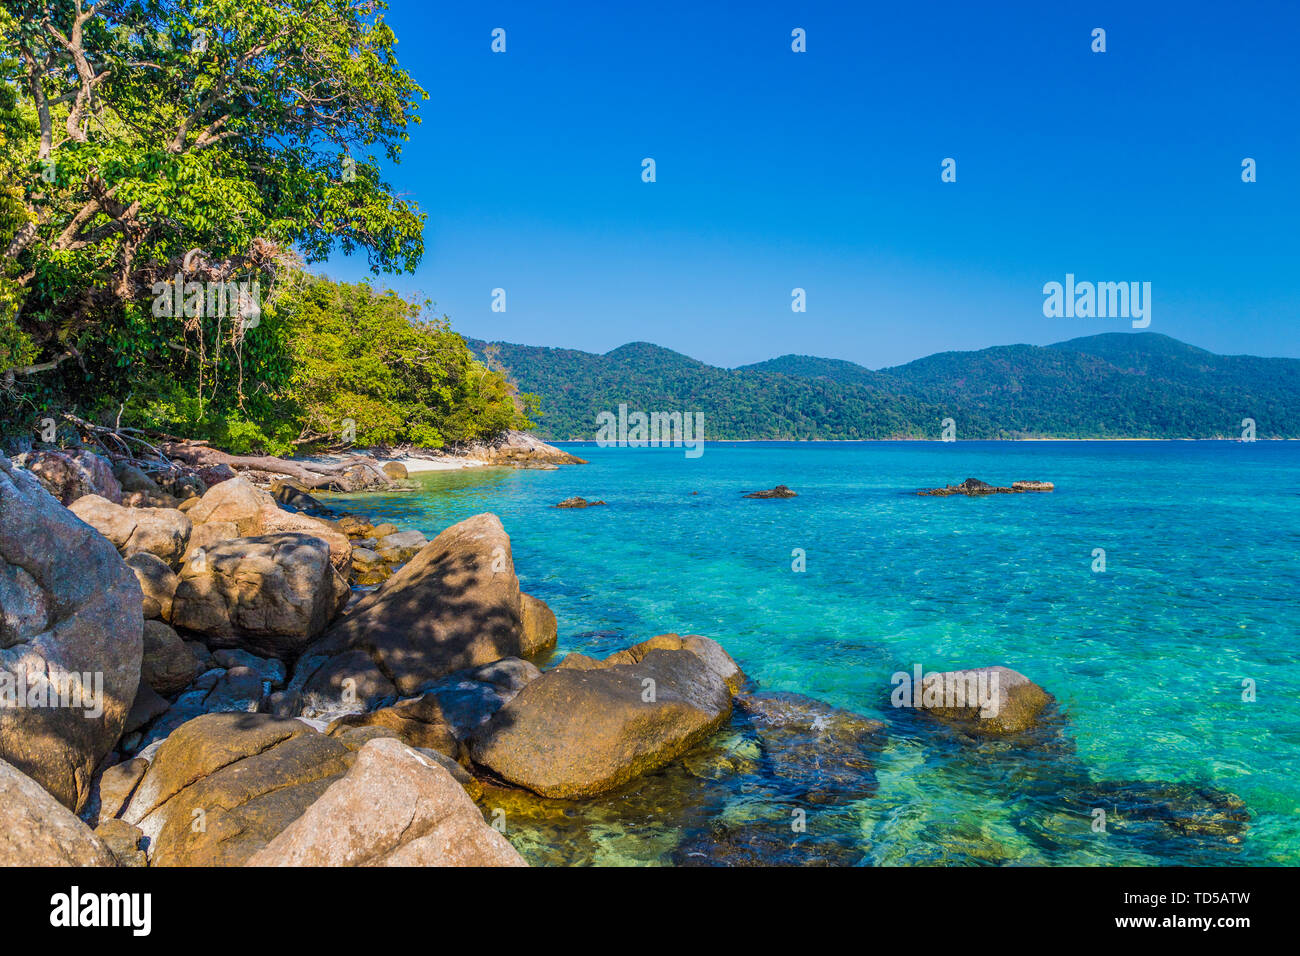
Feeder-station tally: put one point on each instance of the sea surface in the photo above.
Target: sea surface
(1150, 660)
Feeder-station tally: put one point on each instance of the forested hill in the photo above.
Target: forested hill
(1115, 385)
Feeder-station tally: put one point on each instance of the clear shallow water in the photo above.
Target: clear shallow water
(1146, 660)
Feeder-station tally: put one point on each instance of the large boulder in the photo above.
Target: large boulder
(235, 500)
(71, 611)
(395, 807)
(418, 722)
(222, 786)
(456, 604)
(72, 475)
(984, 701)
(36, 830)
(275, 520)
(589, 727)
(162, 532)
(167, 665)
(157, 583)
(270, 594)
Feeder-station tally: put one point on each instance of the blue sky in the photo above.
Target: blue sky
(821, 170)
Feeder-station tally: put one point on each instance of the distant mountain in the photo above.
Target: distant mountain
(1114, 385)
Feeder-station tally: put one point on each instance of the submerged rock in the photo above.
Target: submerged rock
(780, 491)
(826, 754)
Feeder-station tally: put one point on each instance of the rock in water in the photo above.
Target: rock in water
(587, 728)
(69, 476)
(71, 606)
(973, 487)
(271, 594)
(578, 501)
(395, 807)
(222, 786)
(36, 830)
(456, 604)
(1014, 702)
(780, 491)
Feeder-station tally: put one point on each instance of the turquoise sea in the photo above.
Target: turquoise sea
(1147, 659)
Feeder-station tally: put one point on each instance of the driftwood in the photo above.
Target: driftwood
(118, 444)
(198, 454)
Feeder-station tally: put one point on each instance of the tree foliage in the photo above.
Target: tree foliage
(210, 140)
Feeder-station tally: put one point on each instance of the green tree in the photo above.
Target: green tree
(211, 139)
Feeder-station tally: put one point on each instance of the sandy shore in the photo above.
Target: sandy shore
(413, 463)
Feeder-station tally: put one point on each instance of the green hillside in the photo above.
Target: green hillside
(1115, 385)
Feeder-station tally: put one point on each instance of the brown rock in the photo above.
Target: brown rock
(123, 841)
(270, 594)
(274, 520)
(206, 536)
(162, 532)
(577, 732)
(540, 629)
(71, 607)
(222, 786)
(456, 604)
(577, 501)
(148, 705)
(35, 830)
(1032, 486)
(395, 807)
(1014, 702)
(157, 583)
(419, 723)
(780, 491)
(69, 476)
(234, 500)
(116, 784)
(167, 665)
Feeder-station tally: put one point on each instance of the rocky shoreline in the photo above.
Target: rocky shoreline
(283, 683)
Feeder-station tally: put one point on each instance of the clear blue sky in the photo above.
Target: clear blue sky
(822, 170)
